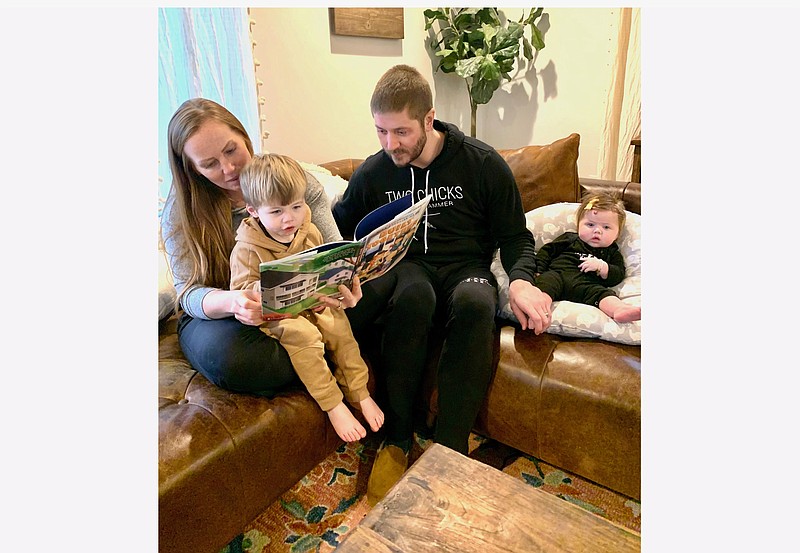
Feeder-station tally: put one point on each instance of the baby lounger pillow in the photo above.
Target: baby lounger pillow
(577, 319)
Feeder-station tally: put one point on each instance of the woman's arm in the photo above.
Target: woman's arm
(245, 305)
(191, 300)
(320, 205)
(205, 302)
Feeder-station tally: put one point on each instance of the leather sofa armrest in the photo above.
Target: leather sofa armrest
(630, 192)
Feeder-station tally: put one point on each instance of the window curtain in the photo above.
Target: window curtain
(204, 52)
(623, 121)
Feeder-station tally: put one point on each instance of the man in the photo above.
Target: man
(444, 280)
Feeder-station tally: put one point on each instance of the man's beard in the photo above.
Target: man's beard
(413, 153)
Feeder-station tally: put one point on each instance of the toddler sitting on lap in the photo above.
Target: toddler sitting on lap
(279, 225)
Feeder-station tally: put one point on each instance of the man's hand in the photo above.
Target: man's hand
(348, 298)
(530, 305)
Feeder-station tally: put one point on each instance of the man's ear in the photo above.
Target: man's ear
(429, 117)
(252, 211)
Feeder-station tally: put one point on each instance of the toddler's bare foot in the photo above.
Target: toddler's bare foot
(346, 425)
(627, 314)
(372, 413)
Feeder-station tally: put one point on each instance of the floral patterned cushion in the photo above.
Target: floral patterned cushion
(575, 319)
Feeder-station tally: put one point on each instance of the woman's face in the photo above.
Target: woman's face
(218, 153)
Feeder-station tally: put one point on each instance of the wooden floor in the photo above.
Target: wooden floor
(448, 502)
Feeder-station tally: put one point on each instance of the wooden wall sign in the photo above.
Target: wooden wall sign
(371, 22)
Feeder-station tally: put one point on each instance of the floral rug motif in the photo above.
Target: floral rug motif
(323, 507)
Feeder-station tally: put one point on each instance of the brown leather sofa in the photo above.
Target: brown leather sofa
(574, 403)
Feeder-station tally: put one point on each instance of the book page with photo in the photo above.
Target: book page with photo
(293, 284)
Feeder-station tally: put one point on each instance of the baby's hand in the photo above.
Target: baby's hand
(594, 264)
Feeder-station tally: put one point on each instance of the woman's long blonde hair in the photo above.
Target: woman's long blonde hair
(201, 211)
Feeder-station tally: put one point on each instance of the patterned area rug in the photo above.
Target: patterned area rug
(320, 510)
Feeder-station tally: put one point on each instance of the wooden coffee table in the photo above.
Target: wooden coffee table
(449, 502)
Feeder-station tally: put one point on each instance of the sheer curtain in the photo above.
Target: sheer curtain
(624, 107)
(204, 52)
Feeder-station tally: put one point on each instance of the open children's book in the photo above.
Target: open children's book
(291, 284)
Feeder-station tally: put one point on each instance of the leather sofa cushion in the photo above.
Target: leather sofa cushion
(546, 174)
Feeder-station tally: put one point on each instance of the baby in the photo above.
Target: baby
(582, 266)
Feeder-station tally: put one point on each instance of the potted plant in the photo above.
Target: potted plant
(480, 48)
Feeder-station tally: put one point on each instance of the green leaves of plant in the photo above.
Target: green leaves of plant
(478, 46)
(468, 67)
(537, 38)
(485, 74)
(433, 15)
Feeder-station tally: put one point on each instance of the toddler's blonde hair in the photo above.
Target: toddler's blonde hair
(272, 179)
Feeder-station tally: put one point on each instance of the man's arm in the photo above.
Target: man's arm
(507, 220)
(530, 305)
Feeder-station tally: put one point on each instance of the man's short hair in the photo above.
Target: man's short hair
(399, 88)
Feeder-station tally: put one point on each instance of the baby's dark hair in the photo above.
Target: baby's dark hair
(603, 201)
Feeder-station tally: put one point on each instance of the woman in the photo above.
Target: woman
(218, 330)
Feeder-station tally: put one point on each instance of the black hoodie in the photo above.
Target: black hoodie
(476, 206)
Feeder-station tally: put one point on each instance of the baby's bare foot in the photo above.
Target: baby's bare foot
(372, 413)
(628, 314)
(345, 424)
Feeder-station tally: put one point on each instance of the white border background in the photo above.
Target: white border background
(720, 120)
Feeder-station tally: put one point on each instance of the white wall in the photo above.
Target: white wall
(317, 85)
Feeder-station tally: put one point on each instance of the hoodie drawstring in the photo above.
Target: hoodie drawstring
(413, 199)
(427, 175)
